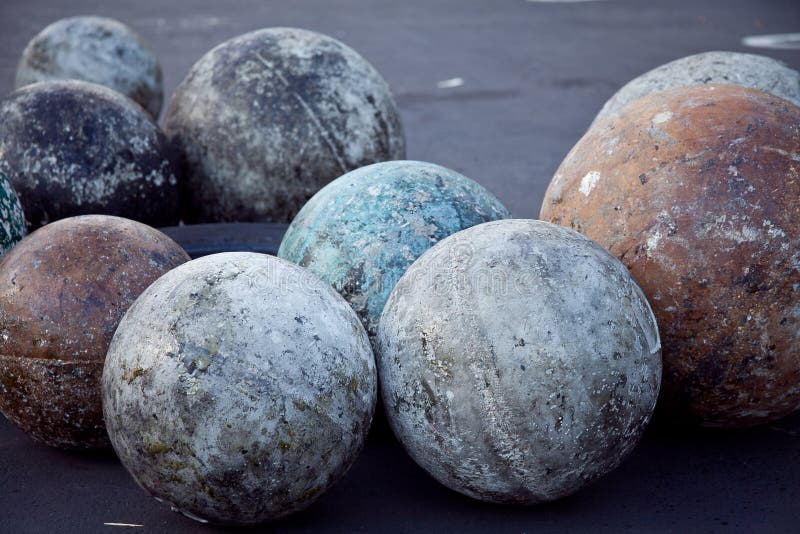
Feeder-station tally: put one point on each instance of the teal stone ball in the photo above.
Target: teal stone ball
(362, 231)
(12, 218)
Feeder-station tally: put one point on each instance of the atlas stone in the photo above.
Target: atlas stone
(63, 290)
(706, 219)
(94, 49)
(361, 232)
(748, 70)
(76, 148)
(239, 388)
(266, 119)
(518, 361)
(12, 218)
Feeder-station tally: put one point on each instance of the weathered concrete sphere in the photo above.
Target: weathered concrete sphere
(268, 118)
(697, 190)
(748, 70)
(362, 231)
(94, 49)
(518, 361)
(63, 290)
(239, 388)
(76, 148)
(12, 218)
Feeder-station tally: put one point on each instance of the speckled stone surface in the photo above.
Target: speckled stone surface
(75, 148)
(238, 388)
(63, 290)
(748, 70)
(697, 190)
(98, 50)
(518, 361)
(362, 232)
(12, 219)
(268, 118)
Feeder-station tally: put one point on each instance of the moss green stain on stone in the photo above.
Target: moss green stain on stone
(361, 232)
(12, 219)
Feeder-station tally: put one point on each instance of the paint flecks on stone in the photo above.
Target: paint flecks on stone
(361, 232)
(98, 50)
(266, 119)
(518, 361)
(63, 290)
(748, 70)
(238, 388)
(12, 218)
(589, 181)
(702, 218)
(74, 148)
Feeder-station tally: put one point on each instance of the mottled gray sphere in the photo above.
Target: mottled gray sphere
(94, 49)
(76, 148)
(735, 68)
(518, 361)
(266, 119)
(238, 388)
(362, 231)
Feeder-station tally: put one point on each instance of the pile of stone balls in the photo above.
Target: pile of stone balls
(518, 360)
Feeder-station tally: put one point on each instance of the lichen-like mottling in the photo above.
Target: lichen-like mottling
(76, 148)
(238, 388)
(518, 361)
(98, 50)
(268, 118)
(361, 232)
(12, 218)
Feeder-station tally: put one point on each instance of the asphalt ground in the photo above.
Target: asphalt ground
(534, 74)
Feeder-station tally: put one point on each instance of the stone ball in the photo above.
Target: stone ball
(98, 50)
(697, 190)
(518, 361)
(266, 119)
(239, 388)
(12, 218)
(77, 148)
(63, 290)
(362, 231)
(748, 70)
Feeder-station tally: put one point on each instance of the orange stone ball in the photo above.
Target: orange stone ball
(697, 191)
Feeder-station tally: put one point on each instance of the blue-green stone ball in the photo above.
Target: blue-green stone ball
(363, 230)
(12, 219)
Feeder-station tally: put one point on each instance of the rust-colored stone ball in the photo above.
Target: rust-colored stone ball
(63, 290)
(697, 191)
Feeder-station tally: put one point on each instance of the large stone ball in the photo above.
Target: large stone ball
(76, 148)
(748, 70)
(518, 361)
(361, 232)
(12, 218)
(268, 118)
(94, 49)
(63, 290)
(238, 388)
(697, 191)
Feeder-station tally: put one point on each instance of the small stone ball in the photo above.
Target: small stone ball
(76, 148)
(12, 219)
(239, 388)
(697, 190)
(748, 70)
(63, 290)
(94, 49)
(266, 119)
(361, 232)
(518, 362)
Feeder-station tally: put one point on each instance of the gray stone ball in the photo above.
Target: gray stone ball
(735, 68)
(71, 147)
(266, 119)
(518, 361)
(94, 49)
(238, 388)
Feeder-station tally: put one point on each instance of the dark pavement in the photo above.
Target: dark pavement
(534, 75)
